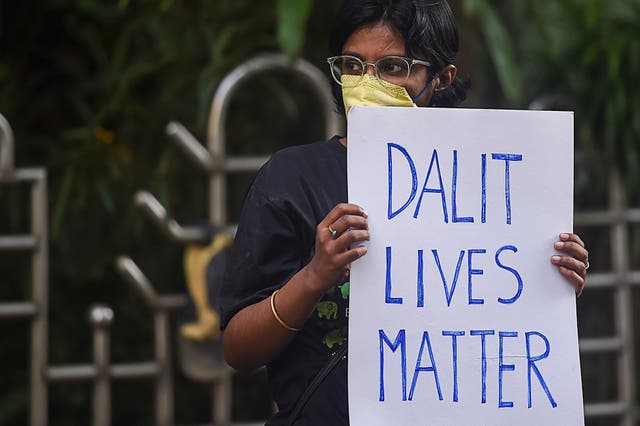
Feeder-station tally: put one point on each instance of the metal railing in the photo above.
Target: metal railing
(217, 123)
(101, 372)
(621, 279)
(6, 148)
(36, 242)
(217, 166)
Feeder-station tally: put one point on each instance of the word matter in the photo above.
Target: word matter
(427, 363)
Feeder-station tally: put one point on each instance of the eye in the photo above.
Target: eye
(351, 66)
(392, 66)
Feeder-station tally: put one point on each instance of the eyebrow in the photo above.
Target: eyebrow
(402, 55)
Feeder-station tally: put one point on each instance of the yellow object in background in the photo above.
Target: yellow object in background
(196, 259)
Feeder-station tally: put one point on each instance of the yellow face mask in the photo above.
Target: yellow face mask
(371, 91)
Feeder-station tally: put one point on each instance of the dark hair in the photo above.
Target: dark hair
(427, 26)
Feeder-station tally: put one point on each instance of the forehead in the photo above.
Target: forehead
(371, 42)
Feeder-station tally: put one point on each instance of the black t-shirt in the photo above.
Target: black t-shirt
(289, 196)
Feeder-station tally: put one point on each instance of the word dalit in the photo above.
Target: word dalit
(434, 173)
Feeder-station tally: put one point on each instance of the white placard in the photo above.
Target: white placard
(457, 316)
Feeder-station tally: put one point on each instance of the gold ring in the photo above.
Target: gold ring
(334, 233)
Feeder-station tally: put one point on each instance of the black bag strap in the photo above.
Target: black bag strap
(317, 380)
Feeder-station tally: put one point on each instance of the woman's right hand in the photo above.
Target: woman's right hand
(254, 336)
(337, 238)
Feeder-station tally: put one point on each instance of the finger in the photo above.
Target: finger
(573, 249)
(342, 225)
(323, 231)
(570, 263)
(571, 237)
(577, 281)
(352, 255)
(350, 238)
(341, 210)
(346, 222)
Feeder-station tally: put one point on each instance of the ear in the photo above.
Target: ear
(446, 77)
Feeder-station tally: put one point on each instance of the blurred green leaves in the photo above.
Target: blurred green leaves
(582, 54)
(88, 87)
(589, 52)
(292, 23)
(499, 46)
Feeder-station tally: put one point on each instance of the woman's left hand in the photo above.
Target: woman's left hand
(575, 261)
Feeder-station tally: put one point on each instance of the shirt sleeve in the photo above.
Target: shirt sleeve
(266, 253)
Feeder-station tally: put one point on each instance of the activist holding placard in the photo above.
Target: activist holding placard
(284, 303)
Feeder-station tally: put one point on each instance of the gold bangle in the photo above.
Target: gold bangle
(275, 314)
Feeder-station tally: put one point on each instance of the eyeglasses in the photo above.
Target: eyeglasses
(393, 69)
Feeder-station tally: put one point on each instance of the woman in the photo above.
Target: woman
(286, 287)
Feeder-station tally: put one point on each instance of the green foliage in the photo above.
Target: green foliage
(14, 402)
(88, 87)
(589, 53)
(499, 46)
(292, 20)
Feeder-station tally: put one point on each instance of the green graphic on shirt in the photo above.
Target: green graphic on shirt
(334, 338)
(344, 289)
(327, 310)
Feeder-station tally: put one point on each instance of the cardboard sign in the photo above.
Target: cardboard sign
(457, 316)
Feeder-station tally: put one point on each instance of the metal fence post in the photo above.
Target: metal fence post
(164, 381)
(35, 242)
(623, 301)
(40, 297)
(216, 136)
(6, 148)
(101, 318)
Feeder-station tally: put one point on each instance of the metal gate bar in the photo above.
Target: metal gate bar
(217, 123)
(37, 243)
(621, 279)
(217, 165)
(36, 310)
